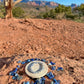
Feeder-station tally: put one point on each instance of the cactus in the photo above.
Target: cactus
(9, 4)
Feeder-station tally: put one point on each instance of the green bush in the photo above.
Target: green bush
(81, 8)
(72, 16)
(52, 13)
(58, 13)
(2, 11)
(46, 15)
(60, 16)
(1, 15)
(62, 8)
(18, 12)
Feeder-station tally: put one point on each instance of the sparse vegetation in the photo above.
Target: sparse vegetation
(2, 11)
(63, 12)
(18, 12)
(23, 10)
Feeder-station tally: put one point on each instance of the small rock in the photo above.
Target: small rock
(43, 78)
(16, 74)
(50, 75)
(15, 70)
(56, 81)
(49, 64)
(52, 63)
(53, 67)
(23, 62)
(26, 82)
(43, 60)
(14, 77)
(27, 61)
(12, 73)
(18, 66)
(32, 59)
(59, 68)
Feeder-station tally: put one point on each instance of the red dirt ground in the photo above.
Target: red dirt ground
(61, 41)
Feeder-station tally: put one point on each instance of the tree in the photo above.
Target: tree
(52, 13)
(62, 8)
(9, 4)
(81, 8)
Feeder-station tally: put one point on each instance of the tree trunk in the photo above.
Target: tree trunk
(9, 9)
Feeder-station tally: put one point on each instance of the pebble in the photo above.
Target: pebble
(32, 59)
(39, 80)
(49, 64)
(43, 78)
(26, 82)
(18, 66)
(16, 74)
(43, 60)
(55, 81)
(59, 68)
(52, 63)
(37, 59)
(12, 73)
(15, 70)
(50, 75)
(14, 77)
(23, 62)
(53, 67)
(27, 61)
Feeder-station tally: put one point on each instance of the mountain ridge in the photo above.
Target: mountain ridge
(44, 3)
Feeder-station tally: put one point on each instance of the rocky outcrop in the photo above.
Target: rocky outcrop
(42, 3)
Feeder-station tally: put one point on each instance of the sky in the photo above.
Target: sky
(68, 2)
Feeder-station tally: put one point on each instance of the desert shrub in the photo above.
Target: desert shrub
(72, 16)
(58, 13)
(2, 11)
(1, 15)
(81, 8)
(18, 12)
(62, 8)
(46, 15)
(52, 13)
(40, 15)
(60, 16)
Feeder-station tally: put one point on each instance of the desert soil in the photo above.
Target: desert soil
(61, 41)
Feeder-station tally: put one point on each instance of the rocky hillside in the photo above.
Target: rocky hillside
(43, 3)
(61, 41)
